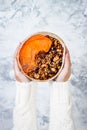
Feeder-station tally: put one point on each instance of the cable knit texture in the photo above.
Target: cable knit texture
(24, 115)
(60, 107)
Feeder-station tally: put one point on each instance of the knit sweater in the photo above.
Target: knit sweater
(24, 114)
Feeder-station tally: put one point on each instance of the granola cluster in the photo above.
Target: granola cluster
(48, 63)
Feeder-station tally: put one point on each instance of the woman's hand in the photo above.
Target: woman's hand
(64, 75)
(18, 74)
(66, 71)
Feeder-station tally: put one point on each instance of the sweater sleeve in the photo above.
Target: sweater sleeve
(60, 107)
(24, 114)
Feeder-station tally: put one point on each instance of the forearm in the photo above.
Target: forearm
(24, 114)
(60, 107)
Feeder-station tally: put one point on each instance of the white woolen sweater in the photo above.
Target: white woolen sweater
(24, 114)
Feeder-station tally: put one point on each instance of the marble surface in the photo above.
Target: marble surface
(21, 18)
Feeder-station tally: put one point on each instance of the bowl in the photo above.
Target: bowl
(33, 53)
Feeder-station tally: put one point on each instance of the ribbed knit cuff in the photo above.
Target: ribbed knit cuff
(60, 92)
(25, 92)
(24, 113)
(60, 107)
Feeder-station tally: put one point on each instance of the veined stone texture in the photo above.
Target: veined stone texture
(21, 18)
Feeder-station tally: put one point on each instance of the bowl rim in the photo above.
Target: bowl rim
(43, 33)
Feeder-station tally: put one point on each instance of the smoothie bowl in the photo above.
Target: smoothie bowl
(41, 56)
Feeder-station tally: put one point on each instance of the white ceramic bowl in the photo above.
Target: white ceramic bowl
(43, 33)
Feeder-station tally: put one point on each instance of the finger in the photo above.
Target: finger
(15, 57)
(66, 50)
(17, 49)
(67, 64)
(16, 68)
(69, 59)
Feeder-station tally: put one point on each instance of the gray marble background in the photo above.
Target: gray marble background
(19, 19)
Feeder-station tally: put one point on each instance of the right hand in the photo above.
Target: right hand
(18, 74)
(66, 71)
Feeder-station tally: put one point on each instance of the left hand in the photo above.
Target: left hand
(18, 74)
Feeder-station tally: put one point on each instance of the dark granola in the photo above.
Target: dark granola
(49, 63)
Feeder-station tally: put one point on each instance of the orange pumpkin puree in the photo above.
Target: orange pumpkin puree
(30, 49)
